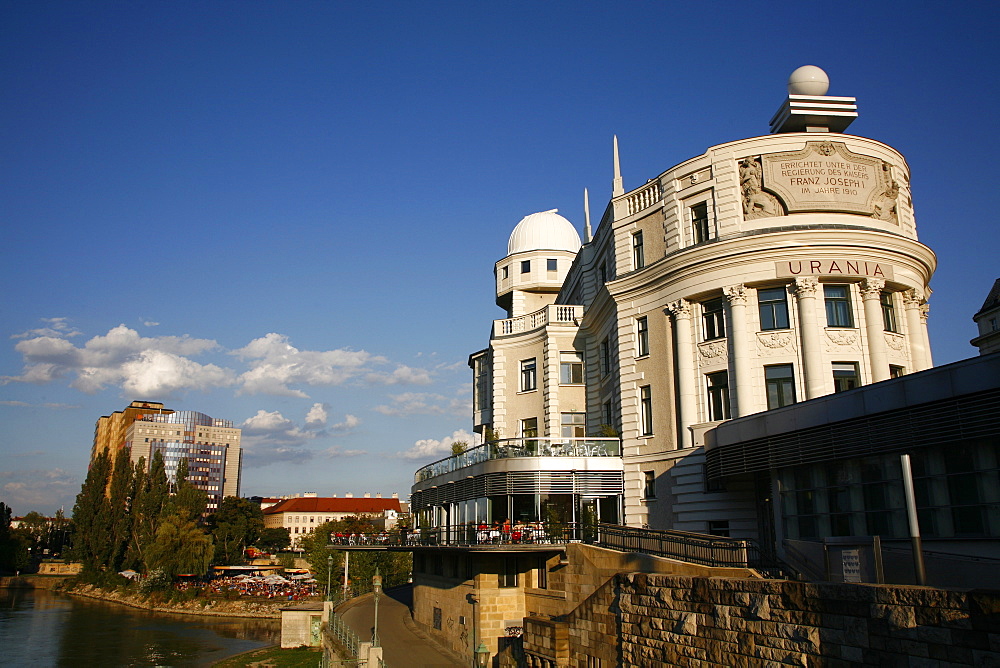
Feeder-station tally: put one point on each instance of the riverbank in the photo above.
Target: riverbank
(33, 581)
(199, 606)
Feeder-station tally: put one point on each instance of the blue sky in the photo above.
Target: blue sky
(286, 214)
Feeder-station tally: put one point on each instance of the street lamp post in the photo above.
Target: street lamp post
(376, 590)
(329, 575)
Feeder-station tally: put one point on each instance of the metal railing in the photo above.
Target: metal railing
(691, 547)
(343, 634)
(535, 446)
(473, 535)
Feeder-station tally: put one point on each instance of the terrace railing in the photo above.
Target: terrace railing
(691, 547)
(535, 446)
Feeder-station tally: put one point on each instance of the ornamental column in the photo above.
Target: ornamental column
(686, 395)
(912, 301)
(878, 352)
(925, 310)
(806, 292)
(737, 295)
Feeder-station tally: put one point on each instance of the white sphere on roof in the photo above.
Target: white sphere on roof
(808, 80)
(546, 230)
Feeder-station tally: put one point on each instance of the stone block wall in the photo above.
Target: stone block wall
(661, 620)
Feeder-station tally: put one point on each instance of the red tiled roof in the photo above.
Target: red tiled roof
(334, 505)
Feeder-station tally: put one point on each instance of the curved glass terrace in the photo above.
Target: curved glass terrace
(508, 448)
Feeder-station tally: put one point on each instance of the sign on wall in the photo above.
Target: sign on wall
(827, 176)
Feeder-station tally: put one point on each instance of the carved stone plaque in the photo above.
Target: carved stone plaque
(826, 176)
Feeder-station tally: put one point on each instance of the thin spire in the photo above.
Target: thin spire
(616, 185)
(586, 217)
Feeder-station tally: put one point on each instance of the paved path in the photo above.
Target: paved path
(402, 645)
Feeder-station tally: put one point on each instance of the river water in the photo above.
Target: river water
(40, 628)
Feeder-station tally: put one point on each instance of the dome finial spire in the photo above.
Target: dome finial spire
(616, 185)
(586, 217)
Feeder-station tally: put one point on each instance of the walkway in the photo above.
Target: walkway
(403, 646)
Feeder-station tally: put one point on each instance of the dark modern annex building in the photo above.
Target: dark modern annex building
(827, 473)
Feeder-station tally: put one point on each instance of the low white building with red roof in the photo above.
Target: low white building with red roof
(301, 515)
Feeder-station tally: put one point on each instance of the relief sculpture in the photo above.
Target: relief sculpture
(756, 202)
(716, 350)
(837, 340)
(772, 344)
(885, 202)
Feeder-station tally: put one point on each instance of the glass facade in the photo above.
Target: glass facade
(206, 448)
(957, 493)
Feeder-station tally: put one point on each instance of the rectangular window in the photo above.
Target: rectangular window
(570, 368)
(481, 386)
(508, 573)
(896, 371)
(718, 528)
(608, 413)
(780, 383)
(838, 306)
(602, 272)
(437, 619)
(646, 407)
(525, 266)
(504, 272)
(714, 317)
(605, 357)
(574, 425)
(699, 222)
(529, 427)
(718, 396)
(888, 312)
(642, 336)
(773, 307)
(845, 376)
(649, 485)
(638, 258)
(551, 264)
(528, 375)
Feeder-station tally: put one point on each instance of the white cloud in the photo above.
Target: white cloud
(317, 416)
(150, 323)
(57, 327)
(423, 403)
(275, 365)
(47, 405)
(403, 375)
(163, 366)
(430, 448)
(335, 451)
(350, 422)
(40, 490)
(144, 365)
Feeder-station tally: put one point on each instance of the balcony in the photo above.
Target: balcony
(554, 314)
(510, 448)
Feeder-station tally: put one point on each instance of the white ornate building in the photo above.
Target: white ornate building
(763, 272)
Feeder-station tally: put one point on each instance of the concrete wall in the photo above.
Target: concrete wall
(663, 620)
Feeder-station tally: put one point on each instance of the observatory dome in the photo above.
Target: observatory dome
(546, 230)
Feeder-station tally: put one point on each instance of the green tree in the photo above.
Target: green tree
(236, 525)
(187, 500)
(274, 539)
(151, 496)
(395, 567)
(120, 499)
(35, 528)
(458, 447)
(92, 518)
(180, 547)
(13, 547)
